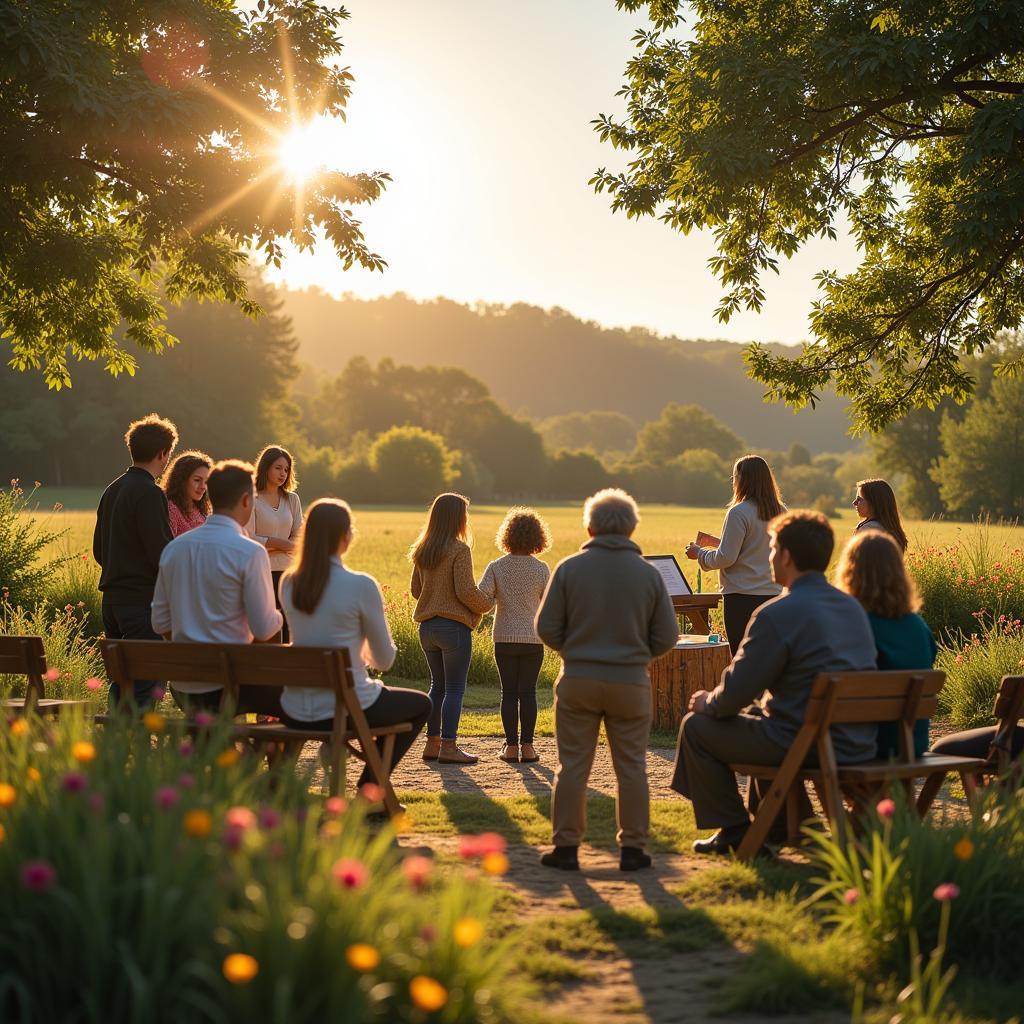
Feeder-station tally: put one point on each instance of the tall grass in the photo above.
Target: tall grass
(27, 566)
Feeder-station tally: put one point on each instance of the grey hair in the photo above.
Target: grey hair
(611, 511)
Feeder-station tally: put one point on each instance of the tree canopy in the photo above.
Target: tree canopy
(140, 162)
(775, 121)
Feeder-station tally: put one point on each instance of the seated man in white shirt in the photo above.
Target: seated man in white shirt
(214, 586)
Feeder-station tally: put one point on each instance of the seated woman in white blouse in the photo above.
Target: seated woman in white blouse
(327, 605)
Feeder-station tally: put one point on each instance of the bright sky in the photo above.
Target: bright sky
(481, 110)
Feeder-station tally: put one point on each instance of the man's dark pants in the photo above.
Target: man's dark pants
(130, 622)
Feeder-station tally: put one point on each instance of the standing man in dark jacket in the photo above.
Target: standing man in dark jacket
(132, 529)
(608, 614)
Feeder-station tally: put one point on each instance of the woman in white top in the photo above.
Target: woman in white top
(517, 583)
(741, 557)
(328, 605)
(276, 519)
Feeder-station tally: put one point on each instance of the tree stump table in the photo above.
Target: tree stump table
(693, 664)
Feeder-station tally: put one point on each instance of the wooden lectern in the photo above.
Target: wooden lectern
(697, 608)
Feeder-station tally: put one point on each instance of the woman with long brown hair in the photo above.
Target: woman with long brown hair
(741, 556)
(448, 608)
(329, 605)
(276, 519)
(185, 486)
(871, 568)
(875, 503)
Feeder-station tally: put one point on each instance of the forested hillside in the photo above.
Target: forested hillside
(541, 363)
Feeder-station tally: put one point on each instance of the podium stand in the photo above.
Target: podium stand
(697, 608)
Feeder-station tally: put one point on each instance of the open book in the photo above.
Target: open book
(707, 540)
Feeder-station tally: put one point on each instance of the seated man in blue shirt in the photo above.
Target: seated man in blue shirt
(811, 627)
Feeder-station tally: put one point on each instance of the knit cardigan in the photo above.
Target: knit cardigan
(449, 589)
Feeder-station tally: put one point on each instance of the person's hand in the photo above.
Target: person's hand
(698, 702)
(692, 550)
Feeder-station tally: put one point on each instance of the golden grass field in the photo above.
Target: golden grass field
(383, 535)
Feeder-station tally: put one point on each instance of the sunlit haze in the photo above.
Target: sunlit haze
(481, 111)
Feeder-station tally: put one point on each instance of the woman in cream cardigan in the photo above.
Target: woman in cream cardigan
(276, 519)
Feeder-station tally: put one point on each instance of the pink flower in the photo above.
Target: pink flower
(946, 892)
(371, 792)
(417, 871)
(239, 818)
(93, 683)
(204, 719)
(851, 896)
(74, 782)
(335, 805)
(38, 876)
(350, 874)
(886, 808)
(269, 818)
(471, 847)
(158, 693)
(186, 780)
(167, 797)
(51, 675)
(185, 748)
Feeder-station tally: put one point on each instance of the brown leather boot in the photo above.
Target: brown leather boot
(432, 748)
(452, 753)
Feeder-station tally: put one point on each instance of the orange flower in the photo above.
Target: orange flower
(468, 931)
(226, 758)
(19, 727)
(154, 722)
(240, 968)
(362, 957)
(197, 824)
(34, 774)
(3, 833)
(83, 751)
(8, 794)
(495, 863)
(428, 994)
(964, 849)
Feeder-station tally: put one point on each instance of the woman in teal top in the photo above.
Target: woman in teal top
(871, 568)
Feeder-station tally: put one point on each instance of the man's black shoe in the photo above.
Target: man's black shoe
(565, 858)
(723, 842)
(632, 858)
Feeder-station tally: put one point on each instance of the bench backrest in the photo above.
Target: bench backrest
(840, 698)
(24, 656)
(1009, 709)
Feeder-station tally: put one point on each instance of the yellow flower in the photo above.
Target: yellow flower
(330, 829)
(83, 751)
(401, 823)
(33, 773)
(468, 931)
(495, 863)
(154, 722)
(964, 849)
(8, 794)
(428, 994)
(197, 824)
(19, 727)
(240, 968)
(362, 957)
(226, 758)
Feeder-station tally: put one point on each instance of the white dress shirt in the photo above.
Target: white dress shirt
(214, 586)
(350, 614)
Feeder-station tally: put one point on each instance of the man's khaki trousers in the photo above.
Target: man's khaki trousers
(580, 707)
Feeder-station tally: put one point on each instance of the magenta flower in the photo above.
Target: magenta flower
(232, 838)
(186, 780)
(269, 818)
(38, 876)
(946, 892)
(851, 896)
(74, 782)
(204, 719)
(158, 693)
(350, 874)
(185, 748)
(886, 808)
(167, 797)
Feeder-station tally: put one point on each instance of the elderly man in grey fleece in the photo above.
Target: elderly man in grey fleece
(607, 612)
(811, 627)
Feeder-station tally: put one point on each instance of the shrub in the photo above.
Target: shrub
(881, 887)
(153, 877)
(962, 579)
(25, 571)
(974, 668)
(410, 464)
(75, 585)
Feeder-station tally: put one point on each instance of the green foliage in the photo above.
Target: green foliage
(162, 856)
(771, 127)
(599, 431)
(982, 470)
(25, 569)
(805, 486)
(410, 464)
(574, 475)
(139, 165)
(962, 582)
(880, 887)
(682, 428)
(974, 667)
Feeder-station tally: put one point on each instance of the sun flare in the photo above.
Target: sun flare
(302, 151)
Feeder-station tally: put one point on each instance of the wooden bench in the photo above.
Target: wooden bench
(25, 656)
(271, 665)
(1008, 711)
(850, 698)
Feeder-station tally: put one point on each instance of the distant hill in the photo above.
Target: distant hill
(541, 363)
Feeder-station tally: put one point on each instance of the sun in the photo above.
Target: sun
(302, 151)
